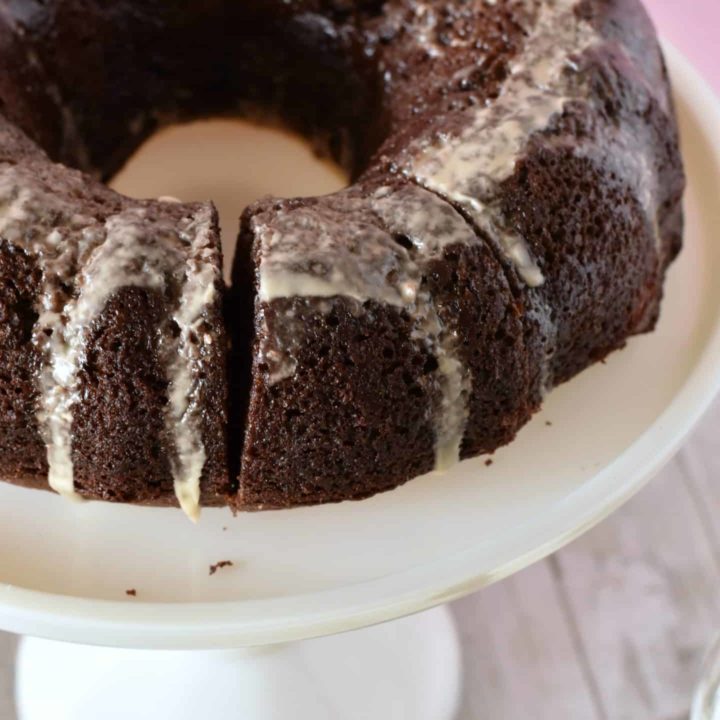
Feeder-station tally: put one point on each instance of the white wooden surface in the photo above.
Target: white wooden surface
(613, 627)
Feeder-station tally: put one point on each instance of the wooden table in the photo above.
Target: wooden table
(614, 626)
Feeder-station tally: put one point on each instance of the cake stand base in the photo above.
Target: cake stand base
(404, 670)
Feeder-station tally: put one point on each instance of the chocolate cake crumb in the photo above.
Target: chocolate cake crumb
(424, 345)
(489, 462)
(548, 423)
(216, 566)
(132, 592)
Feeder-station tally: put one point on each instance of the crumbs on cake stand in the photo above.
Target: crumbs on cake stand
(218, 565)
(132, 592)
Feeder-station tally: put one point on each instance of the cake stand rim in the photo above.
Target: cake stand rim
(230, 624)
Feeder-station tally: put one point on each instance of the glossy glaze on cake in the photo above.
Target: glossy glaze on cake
(515, 203)
(118, 401)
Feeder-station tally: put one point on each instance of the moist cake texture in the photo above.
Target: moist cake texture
(514, 204)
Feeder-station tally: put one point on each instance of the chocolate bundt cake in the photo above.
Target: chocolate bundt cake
(515, 202)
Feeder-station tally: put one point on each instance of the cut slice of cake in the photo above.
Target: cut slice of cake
(113, 344)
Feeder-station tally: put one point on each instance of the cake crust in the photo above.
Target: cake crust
(515, 201)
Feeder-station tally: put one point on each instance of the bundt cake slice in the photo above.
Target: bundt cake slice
(513, 227)
(113, 344)
(388, 344)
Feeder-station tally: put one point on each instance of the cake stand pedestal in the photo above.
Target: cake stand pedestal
(408, 669)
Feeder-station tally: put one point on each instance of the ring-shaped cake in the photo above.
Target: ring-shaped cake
(515, 201)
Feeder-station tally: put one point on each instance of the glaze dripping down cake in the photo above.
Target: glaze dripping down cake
(112, 338)
(515, 202)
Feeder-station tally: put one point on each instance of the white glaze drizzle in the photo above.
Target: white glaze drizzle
(25, 222)
(467, 168)
(112, 264)
(324, 253)
(363, 266)
(199, 292)
(424, 27)
(432, 225)
(292, 267)
(127, 249)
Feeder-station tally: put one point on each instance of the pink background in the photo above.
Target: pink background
(693, 27)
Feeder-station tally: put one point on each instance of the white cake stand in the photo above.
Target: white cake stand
(65, 568)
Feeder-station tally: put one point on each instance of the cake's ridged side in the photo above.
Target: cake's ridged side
(479, 305)
(113, 309)
(641, 63)
(562, 161)
(354, 420)
(338, 383)
(22, 459)
(413, 358)
(119, 450)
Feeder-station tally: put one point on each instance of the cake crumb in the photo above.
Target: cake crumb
(216, 566)
(224, 528)
(489, 462)
(132, 592)
(548, 423)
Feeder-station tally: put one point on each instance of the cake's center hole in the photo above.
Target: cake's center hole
(232, 163)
